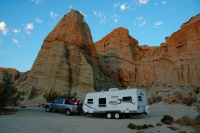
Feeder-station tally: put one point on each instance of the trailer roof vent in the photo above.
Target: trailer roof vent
(113, 89)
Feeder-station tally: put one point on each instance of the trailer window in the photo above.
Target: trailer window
(90, 101)
(139, 98)
(102, 102)
(127, 99)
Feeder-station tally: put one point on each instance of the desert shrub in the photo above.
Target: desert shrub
(166, 119)
(190, 101)
(154, 99)
(138, 127)
(185, 121)
(52, 94)
(8, 96)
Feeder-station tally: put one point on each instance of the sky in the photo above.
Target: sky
(24, 24)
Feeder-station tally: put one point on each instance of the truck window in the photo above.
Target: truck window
(90, 101)
(139, 98)
(102, 102)
(55, 101)
(66, 101)
(60, 101)
(127, 99)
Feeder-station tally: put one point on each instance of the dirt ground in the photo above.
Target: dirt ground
(36, 120)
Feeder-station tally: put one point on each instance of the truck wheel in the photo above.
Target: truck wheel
(68, 112)
(109, 115)
(48, 109)
(117, 115)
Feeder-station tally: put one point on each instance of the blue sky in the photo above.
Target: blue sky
(25, 23)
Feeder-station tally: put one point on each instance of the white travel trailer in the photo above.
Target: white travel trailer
(115, 103)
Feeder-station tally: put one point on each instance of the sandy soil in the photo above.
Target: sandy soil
(36, 120)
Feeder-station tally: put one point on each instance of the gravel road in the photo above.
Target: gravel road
(36, 120)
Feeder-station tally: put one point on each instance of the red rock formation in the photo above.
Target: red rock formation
(117, 55)
(61, 63)
(175, 65)
(69, 62)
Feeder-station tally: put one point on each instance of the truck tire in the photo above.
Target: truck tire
(109, 115)
(117, 115)
(48, 109)
(68, 112)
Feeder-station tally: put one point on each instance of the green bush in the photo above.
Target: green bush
(167, 118)
(8, 96)
(52, 94)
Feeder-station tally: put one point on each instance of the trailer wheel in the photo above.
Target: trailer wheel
(117, 115)
(109, 115)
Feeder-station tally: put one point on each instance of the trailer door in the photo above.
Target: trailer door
(141, 97)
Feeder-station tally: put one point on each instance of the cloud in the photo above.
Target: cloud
(142, 24)
(29, 26)
(37, 1)
(16, 30)
(101, 15)
(116, 5)
(158, 24)
(116, 18)
(139, 18)
(163, 2)
(143, 1)
(123, 6)
(3, 28)
(38, 20)
(53, 15)
(15, 40)
(28, 32)
(71, 7)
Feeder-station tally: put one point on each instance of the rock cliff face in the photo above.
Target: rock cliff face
(69, 61)
(117, 55)
(175, 62)
(172, 67)
(66, 63)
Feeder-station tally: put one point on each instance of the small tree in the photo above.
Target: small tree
(8, 96)
(52, 94)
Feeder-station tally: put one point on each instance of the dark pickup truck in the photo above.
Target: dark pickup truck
(65, 105)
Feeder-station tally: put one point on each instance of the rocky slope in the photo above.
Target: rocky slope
(70, 62)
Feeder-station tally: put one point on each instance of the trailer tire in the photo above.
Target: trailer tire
(117, 115)
(109, 115)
